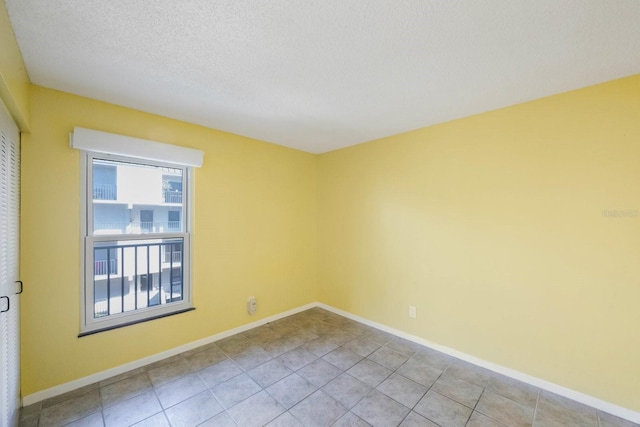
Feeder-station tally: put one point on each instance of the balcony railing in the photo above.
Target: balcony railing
(173, 256)
(172, 196)
(110, 192)
(137, 227)
(105, 192)
(104, 267)
(153, 226)
(139, 275)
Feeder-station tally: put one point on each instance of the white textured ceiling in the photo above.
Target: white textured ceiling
(318, 75)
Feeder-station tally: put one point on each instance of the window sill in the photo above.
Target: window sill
(134, 322)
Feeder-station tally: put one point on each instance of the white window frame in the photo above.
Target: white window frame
(102, 145)
(91, 324)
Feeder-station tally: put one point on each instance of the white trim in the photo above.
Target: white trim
(111, 143)
(106, 374)
(594, 402)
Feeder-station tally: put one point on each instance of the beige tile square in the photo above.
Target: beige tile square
(223, 419)
(458, 390)
(249, 359)
(70, 395)
(93, 420)
(513, 389)
(70, 410)
(380, 410)
(206, 358)
(505, 410)
(479, 420)
(132, 411)
(318, 410)
(469, 373)
(285, 420)
(369, 372)
(157, 420)
(420, 372)
(442, 410)
(416, 420)
(351, 420)
(171, 370)
(125, 389)
(194, 410)
(219, 373)
(270, 372)
(291, 390)
(179, 390)
(342, 358)
(319, 372)
(297, 358)
(256, 411)
(347, 390)
(402, 390)
(388, 358)
(235, 390)
(554, 410)
(320, 346)
(361, 346)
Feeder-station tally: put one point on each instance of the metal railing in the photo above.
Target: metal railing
(152, 226)
(172, 196)
(173, 256)
(137, 227)
(104, 267)
(137, 275)
(105, 192)
(110, 192)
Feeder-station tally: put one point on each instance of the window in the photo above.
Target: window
(173, 222)
(134, 260)
(146, 221)
(136, 228)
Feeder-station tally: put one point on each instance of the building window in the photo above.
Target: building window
(136, 241)
(146, 221)
(174, 220)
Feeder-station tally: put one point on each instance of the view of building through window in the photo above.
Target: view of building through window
(132, 198)
(138, 247)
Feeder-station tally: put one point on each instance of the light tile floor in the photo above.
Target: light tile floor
(314, 368)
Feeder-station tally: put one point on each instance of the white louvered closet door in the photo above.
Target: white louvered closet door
(9, 288)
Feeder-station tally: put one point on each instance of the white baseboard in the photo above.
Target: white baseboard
(594, 402)
(103, 375)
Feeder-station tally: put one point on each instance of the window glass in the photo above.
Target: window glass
(133, 198)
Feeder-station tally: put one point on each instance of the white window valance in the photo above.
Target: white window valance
(111, 143)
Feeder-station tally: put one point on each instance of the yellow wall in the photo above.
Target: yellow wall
(14, 81)
(492, 226)
(255, 207)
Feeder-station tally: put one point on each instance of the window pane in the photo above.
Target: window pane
(129, 275)
(130, 198)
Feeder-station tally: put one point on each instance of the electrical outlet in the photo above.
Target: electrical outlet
(252, 305)
(412, 311)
